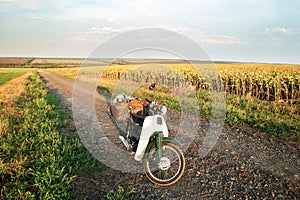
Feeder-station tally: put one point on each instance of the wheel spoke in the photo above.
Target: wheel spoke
(170, 167)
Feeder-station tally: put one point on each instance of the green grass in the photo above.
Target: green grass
(281, 120)
(37, 161)
(7, 75)
(122, 194)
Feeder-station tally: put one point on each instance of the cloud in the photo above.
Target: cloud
(29, 7)
(110, 19)
(94, 33)
(203, 37)
(6, 1)
(35, 18)
(99, 34)
(223, 39)
(277, 30)
(30, 4)
(108, 30)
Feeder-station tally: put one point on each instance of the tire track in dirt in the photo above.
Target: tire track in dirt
(243, 164)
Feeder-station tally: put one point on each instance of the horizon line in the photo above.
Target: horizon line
(217, 61)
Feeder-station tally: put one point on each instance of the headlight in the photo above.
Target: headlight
(163, 110)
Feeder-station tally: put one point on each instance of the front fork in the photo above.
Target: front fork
(158, 143)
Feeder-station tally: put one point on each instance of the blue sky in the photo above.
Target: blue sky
(229, 30)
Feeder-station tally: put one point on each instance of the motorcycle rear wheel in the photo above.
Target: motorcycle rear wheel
(169, 169)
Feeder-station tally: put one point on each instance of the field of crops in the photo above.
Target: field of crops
(8, 74)
(66, 62)
(11, 62)
(266, 96)
(57, 61)
(261, 81)
(16, 61)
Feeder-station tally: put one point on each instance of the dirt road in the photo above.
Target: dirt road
(244, 164)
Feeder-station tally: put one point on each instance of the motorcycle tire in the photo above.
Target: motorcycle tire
(169, 169)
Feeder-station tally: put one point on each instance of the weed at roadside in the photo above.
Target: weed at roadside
(121, 194)
(37, 162)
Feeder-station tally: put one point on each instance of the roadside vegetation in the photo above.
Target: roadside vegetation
(122, 194)
(37, 161)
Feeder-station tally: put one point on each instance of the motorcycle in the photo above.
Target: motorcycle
(146, 136)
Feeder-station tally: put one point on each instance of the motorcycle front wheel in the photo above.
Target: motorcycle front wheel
(169, 169)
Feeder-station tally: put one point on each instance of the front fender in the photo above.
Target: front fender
(164, 140)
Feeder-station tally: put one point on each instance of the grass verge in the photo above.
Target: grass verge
(121, 194)
(281, 120)
(38, 162)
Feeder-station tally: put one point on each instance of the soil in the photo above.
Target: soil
(243, 163)
(16, 61)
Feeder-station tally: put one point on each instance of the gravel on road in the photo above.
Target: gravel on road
(243, 164)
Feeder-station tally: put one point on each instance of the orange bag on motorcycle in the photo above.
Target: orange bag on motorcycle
(136, 106)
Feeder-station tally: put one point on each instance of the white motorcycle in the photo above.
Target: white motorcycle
(146, 135)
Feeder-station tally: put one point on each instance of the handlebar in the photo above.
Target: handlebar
(155, 108)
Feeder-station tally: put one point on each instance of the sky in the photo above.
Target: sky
(228, 30)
